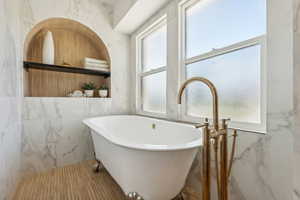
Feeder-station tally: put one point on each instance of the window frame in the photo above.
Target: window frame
(140, 74)
(183, 62)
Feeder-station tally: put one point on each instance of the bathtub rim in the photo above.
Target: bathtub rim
(146, 147)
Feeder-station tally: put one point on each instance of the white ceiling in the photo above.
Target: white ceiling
(130, 14)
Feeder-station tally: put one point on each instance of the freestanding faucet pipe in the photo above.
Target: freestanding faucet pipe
(206, 133)
(214, 93)
(219, 137)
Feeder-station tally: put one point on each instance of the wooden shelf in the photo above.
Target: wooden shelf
(60, 68)
(73, 42)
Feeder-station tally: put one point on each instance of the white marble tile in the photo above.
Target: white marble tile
(54, 108)
(296, 191)
(10, 124)
(54, 136)
(97, 107)
(53, 132)
(10, 147)
(51, 143)
(84, 12)
(263, 168)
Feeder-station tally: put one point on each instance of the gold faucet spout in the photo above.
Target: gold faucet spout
(214, 93)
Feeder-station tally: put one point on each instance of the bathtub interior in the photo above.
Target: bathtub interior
(136, 130)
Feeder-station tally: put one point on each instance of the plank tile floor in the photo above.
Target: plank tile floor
(74, 182)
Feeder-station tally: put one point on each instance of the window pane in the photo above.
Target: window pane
(154, 49)
(154, 92)
(236, 76)
(213, 24)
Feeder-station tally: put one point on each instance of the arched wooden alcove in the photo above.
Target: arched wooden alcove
(73, 42)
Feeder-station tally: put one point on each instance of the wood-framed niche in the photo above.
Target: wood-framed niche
(73, 42)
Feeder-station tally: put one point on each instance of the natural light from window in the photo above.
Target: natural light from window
(213, 24)
(223, 43)
(153, 75)
(239, 91)
(154, 50)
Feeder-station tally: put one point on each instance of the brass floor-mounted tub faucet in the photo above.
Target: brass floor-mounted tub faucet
(216, 136)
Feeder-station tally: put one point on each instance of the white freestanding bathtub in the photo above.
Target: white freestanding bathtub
(149, 156)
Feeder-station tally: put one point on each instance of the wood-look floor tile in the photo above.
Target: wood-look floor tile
(75, 182)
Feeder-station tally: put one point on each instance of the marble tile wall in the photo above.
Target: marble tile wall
(54, 134)
(263, 166)
(97, 15)
(10, 114)
(297, 100)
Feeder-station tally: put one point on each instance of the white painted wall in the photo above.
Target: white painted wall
(130, 14)
(121, 7)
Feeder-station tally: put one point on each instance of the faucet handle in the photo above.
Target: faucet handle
(206, 120)
(224, 121)
(201, 125)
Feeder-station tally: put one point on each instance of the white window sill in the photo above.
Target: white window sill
(152, 114)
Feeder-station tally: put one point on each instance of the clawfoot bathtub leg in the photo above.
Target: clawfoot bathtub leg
(98, 167)
(134, 196)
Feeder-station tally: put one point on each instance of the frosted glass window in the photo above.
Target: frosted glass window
(154, 92)
(236, 76)
(213, 24)
(154, 49)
